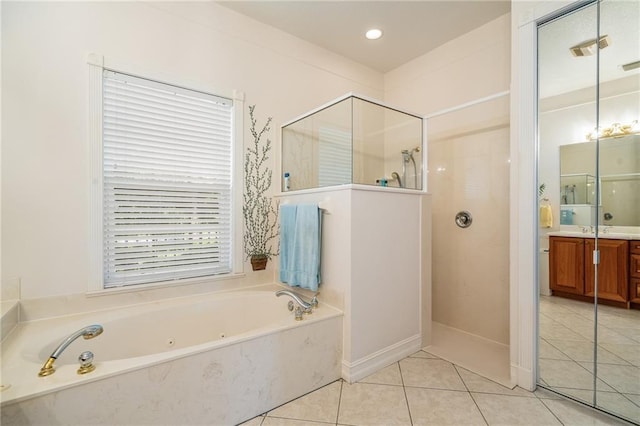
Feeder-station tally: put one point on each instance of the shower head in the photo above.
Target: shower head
(407, 152)
(92, 331)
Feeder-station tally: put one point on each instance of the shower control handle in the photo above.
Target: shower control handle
(463, 219)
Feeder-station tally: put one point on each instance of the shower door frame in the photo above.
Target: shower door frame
(524, 247)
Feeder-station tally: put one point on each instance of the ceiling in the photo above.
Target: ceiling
(410, 28)
(561, 72)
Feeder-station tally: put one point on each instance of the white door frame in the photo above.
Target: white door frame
(523, 240)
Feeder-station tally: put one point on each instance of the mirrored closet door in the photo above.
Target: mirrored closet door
(589, 206)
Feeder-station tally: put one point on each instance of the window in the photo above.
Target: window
(166, 182)
(334, 158)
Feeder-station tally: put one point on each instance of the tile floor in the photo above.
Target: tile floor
(425, 390)
(566, 353)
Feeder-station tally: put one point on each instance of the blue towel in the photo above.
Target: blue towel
(300, 245)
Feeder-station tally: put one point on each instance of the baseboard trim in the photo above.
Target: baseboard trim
(361, 368)
(523, 377)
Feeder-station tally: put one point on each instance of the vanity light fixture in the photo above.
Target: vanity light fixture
(616, 130)
(586, 48)
(373, 34)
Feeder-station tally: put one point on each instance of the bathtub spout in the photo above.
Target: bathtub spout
(88, 332)
(299, 300)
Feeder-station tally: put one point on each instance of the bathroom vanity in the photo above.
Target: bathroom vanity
(572, 272)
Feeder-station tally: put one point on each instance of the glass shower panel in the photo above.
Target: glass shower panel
(316, 150)
(387, 145)
(353, 140)
(567, 182)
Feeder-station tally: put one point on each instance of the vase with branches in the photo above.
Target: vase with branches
(260, 213)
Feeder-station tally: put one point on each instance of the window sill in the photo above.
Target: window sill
(164, 284)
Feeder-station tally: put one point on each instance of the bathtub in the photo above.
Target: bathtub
(215, 359)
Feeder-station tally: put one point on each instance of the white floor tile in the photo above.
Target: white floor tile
(442, 407)
(320, 405)
(275, 421)
(548, 351)
(256, 421)
(423, 354)
(568, 374)
(373, 405)
(430, 373)
(573, 414)
(513, 410)
(387, 376)
(477, 383)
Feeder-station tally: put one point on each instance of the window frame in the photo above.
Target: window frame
(96, 285)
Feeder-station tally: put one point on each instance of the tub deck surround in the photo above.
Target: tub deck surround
(218, 358)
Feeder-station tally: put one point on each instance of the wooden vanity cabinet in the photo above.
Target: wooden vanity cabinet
(613, 273)
(566, 265)
(634, 272)
(572, 272)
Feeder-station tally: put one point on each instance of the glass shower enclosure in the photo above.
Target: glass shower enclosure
(353, 140)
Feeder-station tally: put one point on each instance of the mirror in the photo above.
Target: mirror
(619, 182)
(588, 318)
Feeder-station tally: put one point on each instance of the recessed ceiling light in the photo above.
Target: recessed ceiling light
(373, 34)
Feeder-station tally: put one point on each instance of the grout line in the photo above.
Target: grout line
(624, 395)
(404, 390)
(440, 389)
(455, 367)
(339, 400)
(319, 422)
(551, 411)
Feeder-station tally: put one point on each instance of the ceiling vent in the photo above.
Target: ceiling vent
(587, 48)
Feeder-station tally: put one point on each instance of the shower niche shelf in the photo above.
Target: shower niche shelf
(353, 140)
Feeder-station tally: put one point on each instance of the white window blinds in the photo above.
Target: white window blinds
(334, 157)
(167, 167)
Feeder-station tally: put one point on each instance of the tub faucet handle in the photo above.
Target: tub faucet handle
(86, 362)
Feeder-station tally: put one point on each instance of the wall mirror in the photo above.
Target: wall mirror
(589, 174)
(619, 168)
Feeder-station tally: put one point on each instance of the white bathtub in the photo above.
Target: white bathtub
(213, 359)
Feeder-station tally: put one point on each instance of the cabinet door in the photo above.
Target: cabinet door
(566, 265)
(613, 270)
(634, 268)
(634, 290)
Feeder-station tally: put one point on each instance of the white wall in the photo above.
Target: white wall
(44, 115)
(470, 267)
(372, 268)
(385, 273)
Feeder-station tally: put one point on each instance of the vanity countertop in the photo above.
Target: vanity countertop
(601, 234)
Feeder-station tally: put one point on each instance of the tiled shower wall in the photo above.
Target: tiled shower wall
(468, 169)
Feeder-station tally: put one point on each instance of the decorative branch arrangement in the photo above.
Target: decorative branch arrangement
(260, 214)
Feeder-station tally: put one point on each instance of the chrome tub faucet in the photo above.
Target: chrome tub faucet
(88, 332)
(303, 306)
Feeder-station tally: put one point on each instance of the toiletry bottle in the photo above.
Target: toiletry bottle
(286, 182)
